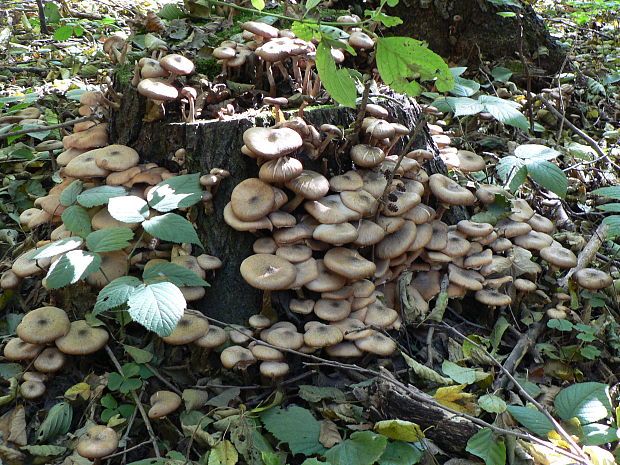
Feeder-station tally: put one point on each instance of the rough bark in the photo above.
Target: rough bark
(212, 143)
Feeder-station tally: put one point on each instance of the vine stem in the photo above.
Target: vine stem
(48, 128)
(318, 361)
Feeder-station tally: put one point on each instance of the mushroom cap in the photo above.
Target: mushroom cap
(468, 279)
(294, 253)
(400, 203)
(349, 181)
(150, 68)
(521, 210)
(309, 184)
(360, 201)
(25, 266)
(449, 191)
(509, 228)
(157, 90)
(533, 240)
(492, 298)
(280, 219)
(348, 263)
(353, 329)
(272, 142)
(361, 40)
(280, 170)
(189, 329)
(330, 210)
(115, 157)
(9, 279)
(43, 325)
(332, 310)
(209, 262)
(524, 285)
(82, 339)
(252, 199)
(265, 353)
(100, 441)
(336, 234)
(268, 272)
(32, 389)
(593, 279)
(286, 338)
(224, 53)
(113, 265)
(163, 403)
(265, 245)
(326, 281)
(85, 166)
(376, 110)
(374, 182)
(366, 155)
(558, 256)
(260, 29)
(340, 294)
(474, 229)
(50, 360)
(465, 161)
(346, 349)
(177, 64)
(92, 98)
(236, 223)
(214, 337)
(368, 233)
(376, 343)
(397, 243)
(322, 335)
(541, 224)
(378, 314)
(240, 334)
(303, 307)
(17, 349)
(273, 369)
(363, 288)
(456, 246)
(424, 234)
(479, 259)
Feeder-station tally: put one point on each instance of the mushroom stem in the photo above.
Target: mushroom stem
(283, 70)
(316, 87)
(305, 88)
(272, 82)
(292, 204)
(326, 142)
(440, 211)
(297, 71)
(136, 75)
(394, 142)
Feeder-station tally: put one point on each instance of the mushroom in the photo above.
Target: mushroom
(43, 325)
(177, 65)
(189, 329)
(82, 339)
(592, 279)
(17, 349)
(268, 272)
(100, 442)
(237, 358)
(163, 403)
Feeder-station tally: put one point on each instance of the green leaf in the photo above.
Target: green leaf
(460, 106)
(310, 4)
(549, 176)
(492, 403)
(362, 448)
(128, 209)
(536, 152)
(177, 192)
(69, 195)
(304, 31)
(171, 227)
(158, 307)
(259, 5)
(613, 223)
(108, 401)
(224, 453)
(612, 192)
(100, 195)
(596, 434)
(337, 82)
(57, 422)
(400, 453)
(610, 207)
(501, 74)
(505, 14)
(44, 450)
(313, 393)
(109, 239)
(485, 445)
(115, 293)
(52, 12)
(170, 12)
(71, 267)
(589, 351)
(387, 20)
(504, 111)
(174, 273)
(402, 59)
(588, 402)
(458, 373)
(77, 220)
(295, 426)
(508, 167)
(314, 461)
(532, 419)
(139, 355)
(463, 87)
(63, 32)
(560, 324)
(57, 247)
(399, 429)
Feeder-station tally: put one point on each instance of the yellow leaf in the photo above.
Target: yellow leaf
(80, 389)
(224, 453)
(400, 430)
(455, 398)
(599, 456)
(545, 456)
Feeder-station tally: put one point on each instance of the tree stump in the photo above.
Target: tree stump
(216, 144)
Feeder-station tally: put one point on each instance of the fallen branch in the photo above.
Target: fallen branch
(48, 128)
(587, 254)
(522, 347)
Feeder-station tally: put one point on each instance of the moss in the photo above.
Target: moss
(124, 73)
(208, 67)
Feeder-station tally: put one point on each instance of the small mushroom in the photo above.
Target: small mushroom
(163, 403)
(100, 441)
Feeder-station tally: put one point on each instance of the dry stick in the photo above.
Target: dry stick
(591, 142)
(413, 394)
(357, 125)
(143, 414)
(525, 394)
(162, 379)
(587, 254)
(49, 128)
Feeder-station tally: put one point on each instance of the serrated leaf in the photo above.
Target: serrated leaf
(387, 20)
(425, 372)
(362, 448)
(57, 422)
(400, 453)
(489, 448)
(532, 419)
(613, 226)
(115, 293)
(454, 398)
(401, 59)
(224, 453)
(460, 106)
(549, 176)
(71, 267)
(612, 192)
(76, 219)
(69, 195)
(337, 82)
(100, 195)
(174, 273)
(58, 247)
(461, 375)
(171, 227)
(610, 207)
(44, 450)
(463, 87)
(313, 393)
(139, 355)
(63, 32)
(400, 430)
(177, 192)
(588, 402)
(536, 152)
(492, 403)
(310, 4)
(109, 239)
(128, 209)
(504, 111)
(596, 434)
(304, 31)
(158, 307)
(297, 427)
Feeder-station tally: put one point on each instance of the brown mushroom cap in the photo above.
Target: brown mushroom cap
(558, 256)
(252, 199)
(322, 335)
(236, 223)
(533, 240)
(492, 298)
(286, 338)
(43, 325)
(376, 343)
(85, 166)
(16, 349)
(50, 360)
(336, 234)
(260, 28)
(82, 339)
(113, 265)
(280, 170)
(330, 210)
(272, 142)
(361, 201)
(189, 329)
(593, 279)
(157, 90)
(268, 272)
(366, 156)
(474, 229)
(465, 161)
(265, 245)
(449, 191)
(348, 263)
(344, 349)
(295, 253)
(309, 184)
(32, 389)
(524, 285)
(100, 441)
(326, 281)
(349, 181)
(397, 243)
(303, 307)
(214, 337)
(208, 262)
(115, 157)
(163, 403)
(274, 369)
(368, 233)
(265, 353)
(541, 224)
(177, 64)
(331, 309)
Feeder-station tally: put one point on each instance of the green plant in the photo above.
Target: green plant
(114, 409)
(612, 221)
(582, 332)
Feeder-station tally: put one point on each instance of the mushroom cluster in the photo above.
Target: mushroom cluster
(342, 243)
(45, 336)
(268, 51)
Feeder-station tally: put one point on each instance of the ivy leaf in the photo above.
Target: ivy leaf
(57, 247)
(338, 82)
(115, 293)
(295, 426)
(549, 176)
(77, 220)
(171, 227)
(109, 239)
(158, 307)
(100, 195)
(128, 209)
(71, 267)
(174, 273)
(362, 448)
(176, 192)
(69, 195)
(402, 59)
(486, 446)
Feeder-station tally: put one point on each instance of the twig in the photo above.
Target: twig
(124, 451)
(574, 26)
(354, 137)
(42, 21)
(48, 128)
(523, 345)
(162, 379)
(587, 254)
(27, 69)
(591, 142)
(143, 414)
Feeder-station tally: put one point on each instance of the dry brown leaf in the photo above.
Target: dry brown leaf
(11, 456)
(17, 431)
(329, 435)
